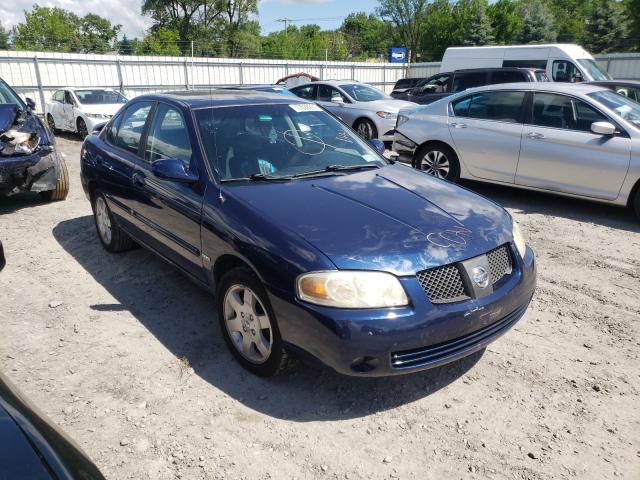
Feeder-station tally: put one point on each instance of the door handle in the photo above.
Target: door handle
(138, 179)
(459, 125)
(535, 136)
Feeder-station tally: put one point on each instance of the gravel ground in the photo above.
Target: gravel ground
(124, 353)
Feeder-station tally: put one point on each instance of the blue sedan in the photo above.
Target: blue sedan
(311, 241)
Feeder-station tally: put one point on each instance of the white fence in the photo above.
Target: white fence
(38, 74)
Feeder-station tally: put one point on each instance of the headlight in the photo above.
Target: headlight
(401, 119)
(386, 114)
(21, 143)
(518, 239)
(98, 115)
(351, 289)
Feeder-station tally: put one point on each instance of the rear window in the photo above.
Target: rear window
(508, 76)
(405, 83)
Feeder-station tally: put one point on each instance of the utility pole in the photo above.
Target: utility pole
(286, 23)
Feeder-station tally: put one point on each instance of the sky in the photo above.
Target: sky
(127, 12)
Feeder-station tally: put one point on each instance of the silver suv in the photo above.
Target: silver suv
(369, 111)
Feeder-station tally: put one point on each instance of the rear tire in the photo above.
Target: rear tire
(438, 160)
(249, 324)
(366, 129)
(636, 203)
(112, 237)
(62, 186)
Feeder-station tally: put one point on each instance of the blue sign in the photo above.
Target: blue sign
(397, 55)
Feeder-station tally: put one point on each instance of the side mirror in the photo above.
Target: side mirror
(98, 128)
(338, 100)
(31, 104)
(173, 169)
(377, 144)
(603, 128)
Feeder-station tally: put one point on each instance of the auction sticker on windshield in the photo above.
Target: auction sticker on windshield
(305, 107)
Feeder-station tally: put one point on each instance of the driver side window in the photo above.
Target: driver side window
(565, 71)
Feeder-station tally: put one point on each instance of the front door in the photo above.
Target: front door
(68, 116)
(171, 210)
(560, 153)
(334, 101)
(486, 130)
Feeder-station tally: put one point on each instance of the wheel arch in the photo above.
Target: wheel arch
(429, 143)
(632, 195)
(227, 262)
(368, 119)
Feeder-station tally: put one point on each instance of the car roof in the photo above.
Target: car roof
(554, 87)
(336, 82)
(634, 83)
(221, 97)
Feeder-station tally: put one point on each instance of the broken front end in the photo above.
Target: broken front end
(28, 158)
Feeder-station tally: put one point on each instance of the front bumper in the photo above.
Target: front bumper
(37, 172)
(384, 342)
(404, 147)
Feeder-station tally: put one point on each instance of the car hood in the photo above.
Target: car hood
(393, 219)
(102, 109)
(389, 105)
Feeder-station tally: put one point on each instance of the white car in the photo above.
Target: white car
(79, 110)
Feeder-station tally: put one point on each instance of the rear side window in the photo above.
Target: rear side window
(405, 83)
(463, 81)
(58, 96)
(508, 76)
(132, 126)
(306, 91)
(168, 136)
(525, 63)
(563, 112)
(497, 106)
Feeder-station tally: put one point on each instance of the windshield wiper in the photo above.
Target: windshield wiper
(337, 168)
(256, 177)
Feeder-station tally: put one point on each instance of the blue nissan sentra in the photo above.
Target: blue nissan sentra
(311, 241)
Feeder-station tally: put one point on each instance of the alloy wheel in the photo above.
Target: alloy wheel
(51, 123)
(82, 129)
(248, 324)
(365, 130)
(103, 220)
(436, 163)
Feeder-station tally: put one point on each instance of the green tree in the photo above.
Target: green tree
(125, 47)
(537, 23)
(4, 38)
(97, 34)
(632, 12)
(48, 29)
(474, 25)
(606, 28)
(505, 20)
(408, 17)
(440, 30)
(161, 41)
(366, 35)
(569, 18)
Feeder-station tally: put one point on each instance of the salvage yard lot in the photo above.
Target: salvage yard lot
(124, 353)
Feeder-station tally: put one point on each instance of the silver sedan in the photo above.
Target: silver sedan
(575, 140)
(369, 111)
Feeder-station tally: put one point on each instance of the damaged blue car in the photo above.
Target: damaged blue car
(29, 161)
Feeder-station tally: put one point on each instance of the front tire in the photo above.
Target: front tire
(51, 123)
(112, 237)
(248, 323)
(636, 203)
(62, 185)
(366, 129)
(438, 160)
(82, 129)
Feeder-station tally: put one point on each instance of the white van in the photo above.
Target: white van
(563, 62)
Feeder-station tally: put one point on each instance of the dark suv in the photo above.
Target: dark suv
(447, 83)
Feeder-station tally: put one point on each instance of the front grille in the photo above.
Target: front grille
(456, 348)
(446, 285)
(499, 263)
(443, 284)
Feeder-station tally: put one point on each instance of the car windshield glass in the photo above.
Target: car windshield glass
(280, 141)
(363, 93)
(594, 69)
(97, 97)
(7, 96)
(621, 105)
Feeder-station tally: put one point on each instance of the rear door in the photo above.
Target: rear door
(116, 164)
(560, 153)
(486, 130)
(171, 210)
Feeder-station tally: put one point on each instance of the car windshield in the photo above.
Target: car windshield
(98, 97)
(280, 141)
(624, 107)
(594, 69)
(8, 96)
(363, 93)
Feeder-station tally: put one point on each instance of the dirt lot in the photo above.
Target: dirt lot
(124, 353)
